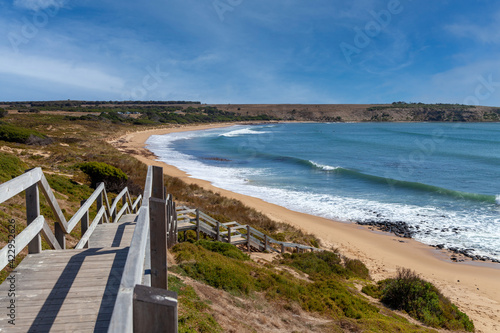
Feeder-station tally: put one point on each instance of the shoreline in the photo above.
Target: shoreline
(473, 286)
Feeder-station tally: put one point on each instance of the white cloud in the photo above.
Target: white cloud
(38, 4)
(475, 83)
(63, 72)
(485, 33)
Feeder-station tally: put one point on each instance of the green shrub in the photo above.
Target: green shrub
(10, 166)
(356, 268)
(17, 134)
(68, 187)
(113, 178)
(226, 249)
(3, 112)
(326, 295)
(421, 300)
(326, 263)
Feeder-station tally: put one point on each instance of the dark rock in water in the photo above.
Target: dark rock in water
(399, 228)
(440, 246)
(219, 159)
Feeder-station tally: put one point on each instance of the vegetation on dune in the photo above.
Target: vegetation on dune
(19, 134)
(194, 315)
(10, 166)
(421, 300)
(113, 178)
(324, 292)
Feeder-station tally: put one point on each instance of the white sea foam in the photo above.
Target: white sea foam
(497, 199)
(242, 131)
(324, 166)
(477, 229)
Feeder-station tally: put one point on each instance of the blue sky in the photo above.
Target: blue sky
(251, 51)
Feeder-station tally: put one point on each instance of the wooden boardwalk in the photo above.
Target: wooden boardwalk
(70, 290)
(115, 279)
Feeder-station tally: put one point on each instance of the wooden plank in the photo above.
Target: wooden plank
(22, 240)
(49, 237)
(84, 222)
(32, 212)
(51, 199)
(19, 184)
(158, 183)
(78, 215)
(85, 238)
(136, 203)
(115, 203)
(158, 238)
(120, 213)
(121, 321)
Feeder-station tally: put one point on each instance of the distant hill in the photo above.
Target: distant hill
(368, 112)
(150, 112)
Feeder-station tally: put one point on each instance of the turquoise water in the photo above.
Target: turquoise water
(442, 179)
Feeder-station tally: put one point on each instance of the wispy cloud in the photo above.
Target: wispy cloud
(485, 33)
(38, 4)
(49, 70)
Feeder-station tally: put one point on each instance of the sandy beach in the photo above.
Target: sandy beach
(473, 286)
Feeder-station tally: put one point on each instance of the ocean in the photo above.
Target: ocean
(441, 179)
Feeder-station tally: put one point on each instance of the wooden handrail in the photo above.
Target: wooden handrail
(19, 184)
(90, 230)
(112, 212)
(84, 208)
(22, 240)
(121, 319)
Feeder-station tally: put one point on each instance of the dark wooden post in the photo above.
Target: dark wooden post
(248, 238)
(265, 242)
(158, 187)
(218, 231)
(176, 230)
(168, 219)
(229, 235)
(158, 241)
(282, 248)
(99, 203)
(32, 212)
(197, 224)
(154, 310)
(84, 223)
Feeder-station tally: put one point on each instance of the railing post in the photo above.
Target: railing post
(218, 231)
(154, 310)
(84, 223)
(158, 191)
(248, 238)
(282, 248)
(60, 235)
(176, 231)
(229, 235)
(99, 203)
(158, 241)
(197, 224)
(265, 242)
(32, 212)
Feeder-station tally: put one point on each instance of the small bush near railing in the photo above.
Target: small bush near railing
(113, 178)
(421, 300)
